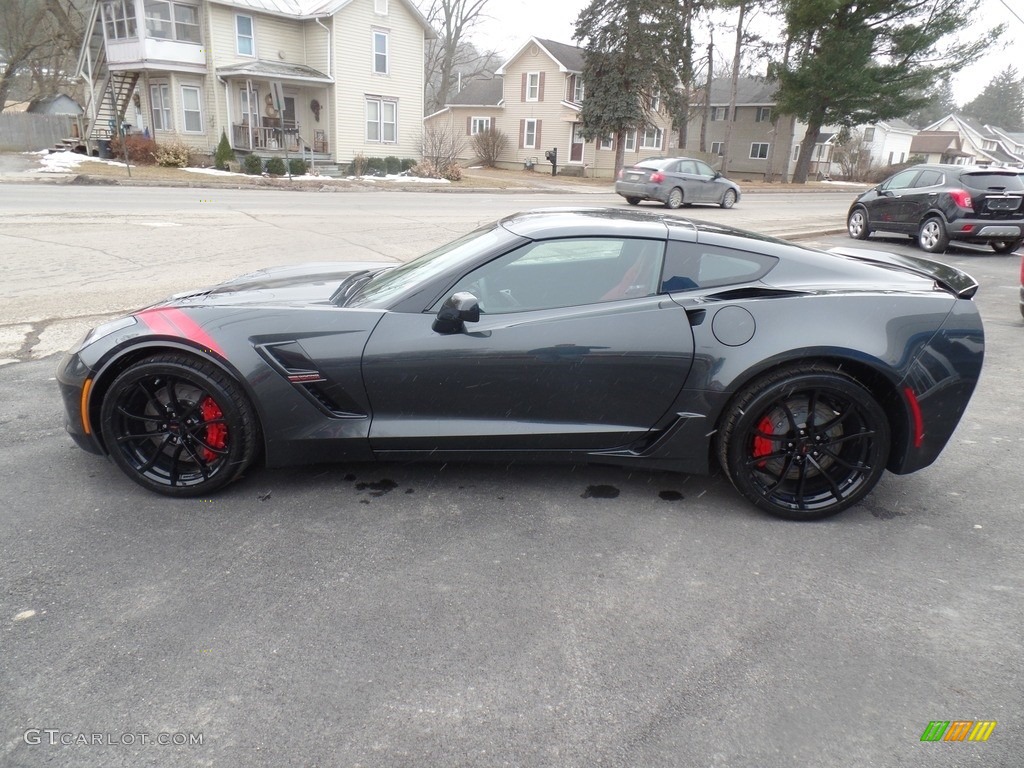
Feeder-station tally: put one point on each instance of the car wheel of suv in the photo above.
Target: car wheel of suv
(1006, 246)
(675, 198)
(857, 224)
(932, 235)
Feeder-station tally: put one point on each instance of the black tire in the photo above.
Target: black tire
(728, 199)
(857, 224)
(178, 426)
(804, 442)
(932, 237)
(1006, 246)
(633, 200)
(675, 198)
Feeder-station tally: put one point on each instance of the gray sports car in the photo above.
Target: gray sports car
(598, 336)
(676, 181)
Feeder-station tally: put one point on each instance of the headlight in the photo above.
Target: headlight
(104, 329)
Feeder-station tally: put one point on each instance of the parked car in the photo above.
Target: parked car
(676, 181)
(1022, 286)
(593, 335)
(936, 204)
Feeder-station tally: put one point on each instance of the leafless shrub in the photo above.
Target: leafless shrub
(489, 145)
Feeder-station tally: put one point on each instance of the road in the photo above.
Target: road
(420, 615)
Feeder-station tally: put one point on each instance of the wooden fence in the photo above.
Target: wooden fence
(25, 132)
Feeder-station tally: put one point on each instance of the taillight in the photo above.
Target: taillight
(1022, 270)
(657, 177)
(962, 198)
(621, 171)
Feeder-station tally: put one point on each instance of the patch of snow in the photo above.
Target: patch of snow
(67, 161)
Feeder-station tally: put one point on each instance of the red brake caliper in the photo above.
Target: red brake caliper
(763, 445)
(216, 434)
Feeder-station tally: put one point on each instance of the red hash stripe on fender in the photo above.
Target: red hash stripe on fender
(168, 321)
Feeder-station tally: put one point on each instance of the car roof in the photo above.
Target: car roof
(598, 222)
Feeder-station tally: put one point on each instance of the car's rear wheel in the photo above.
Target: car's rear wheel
(1006, 246)
(857, 224)
(932, 237)
(728, 199)
(675, 198)
(804, 442)
(177, 425)
(633, 200)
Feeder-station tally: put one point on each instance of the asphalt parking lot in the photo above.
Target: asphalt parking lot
(455, 615)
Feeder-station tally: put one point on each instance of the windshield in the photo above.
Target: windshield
(385, 286)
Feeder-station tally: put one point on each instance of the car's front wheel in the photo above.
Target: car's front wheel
(857, 224)
(932, 235)
(177, 425)
(1006, 246)
(728, 199)
(675, 198)
(804, 442)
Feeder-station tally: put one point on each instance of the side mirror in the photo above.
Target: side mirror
(459, 308)
(718, 175)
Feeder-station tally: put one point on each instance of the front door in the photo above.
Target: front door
(574, 350)
(576, 148)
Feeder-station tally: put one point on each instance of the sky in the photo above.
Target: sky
(510, 23)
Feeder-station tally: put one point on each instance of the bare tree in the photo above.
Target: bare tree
(451, 55)
(489, 145)
(39, 40)
(441, 146)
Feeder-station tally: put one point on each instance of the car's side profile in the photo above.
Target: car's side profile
(589, 335)
(674, 182)
(937, 204)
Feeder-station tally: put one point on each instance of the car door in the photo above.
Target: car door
(710, 191)
(920, 198)
(887, 211)
(574, 350)
(694, 189)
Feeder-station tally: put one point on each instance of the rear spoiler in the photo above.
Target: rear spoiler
(959, 283)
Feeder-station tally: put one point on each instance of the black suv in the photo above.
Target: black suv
(938, 203)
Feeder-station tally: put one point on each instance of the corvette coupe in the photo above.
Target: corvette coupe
(590, 336)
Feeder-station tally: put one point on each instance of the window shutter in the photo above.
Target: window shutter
(522, 132)
(523, 96)
(536, 138)
(469, 125)
(540, 88)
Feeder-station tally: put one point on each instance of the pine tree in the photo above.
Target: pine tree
(1001, 102)
(940, 104)
(224, 153)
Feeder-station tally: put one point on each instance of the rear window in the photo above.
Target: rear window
(658, 163)
(1012, 182)
(692, 266)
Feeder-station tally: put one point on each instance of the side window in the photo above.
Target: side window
(688, 166)
(901, 180)
(693, 266)
(929, 179)
(704, 169)
(565, 273)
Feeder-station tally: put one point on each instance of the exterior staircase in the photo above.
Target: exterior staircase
(107, 93)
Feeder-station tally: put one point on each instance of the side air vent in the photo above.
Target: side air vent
(291, 360)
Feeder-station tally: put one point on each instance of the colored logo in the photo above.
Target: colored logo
(958, 730)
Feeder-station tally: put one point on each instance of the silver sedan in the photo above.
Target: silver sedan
(676, 181)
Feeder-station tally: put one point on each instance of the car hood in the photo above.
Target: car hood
(302, 284)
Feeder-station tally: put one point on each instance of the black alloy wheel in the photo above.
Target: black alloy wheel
(177, 425)
(804, 442)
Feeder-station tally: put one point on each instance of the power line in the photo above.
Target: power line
(1013, 12)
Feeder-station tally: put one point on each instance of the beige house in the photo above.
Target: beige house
(334, 77)
(535, 100)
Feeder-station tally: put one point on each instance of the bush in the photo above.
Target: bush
(453, 172)
(392, 165)
(141, 148)
(425, 170)
(375, 166)
(297, 166)
(224, 154)
(358, 165)
(489, 145)
(173, 155)
(275, 167)
(408, 163)
(253, 165)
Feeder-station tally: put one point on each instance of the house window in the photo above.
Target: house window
(381, 120)
(479, 125)
(869, 134)
(651, 139)
(119, 18)
(160, 103)
(758, 150)
(577, 89)
(244, 36)
(630, 142)
(380, 7)
(717, 147)
(608, 142)
(380, 53)
(533, 86)
(172, 21)
(530, 134)
(719, 113)
(191, 109)
(250, 109)
(764, 115)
